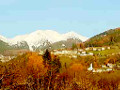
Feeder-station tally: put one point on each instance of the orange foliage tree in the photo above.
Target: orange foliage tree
(35, 65)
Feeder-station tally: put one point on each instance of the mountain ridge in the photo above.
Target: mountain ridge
(40, 37)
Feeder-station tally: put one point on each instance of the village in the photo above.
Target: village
(89, 51)
(79, 52)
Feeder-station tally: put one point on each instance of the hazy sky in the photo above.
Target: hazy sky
(86, 17)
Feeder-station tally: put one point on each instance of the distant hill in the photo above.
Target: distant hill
(5, 47)
(107, 38)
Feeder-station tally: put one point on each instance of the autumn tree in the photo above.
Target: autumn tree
(113, 59)
(35, 68)
(81, 45)
(54, 66)
(47, 57)
(80, 76)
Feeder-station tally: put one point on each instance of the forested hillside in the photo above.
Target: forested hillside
(107, 38)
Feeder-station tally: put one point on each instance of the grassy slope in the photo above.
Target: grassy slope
(114, 49)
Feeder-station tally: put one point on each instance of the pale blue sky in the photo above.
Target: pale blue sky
(86, 17)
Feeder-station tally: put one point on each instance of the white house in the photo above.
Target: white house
(98, 70)
(108, 47)
(74, 56)
(103, 69)
(99, 49)
(103, 48)
(80, 50)
(91, 54)
(110, 65)
(109, 69)
(104, 66)
(94, 49)
(84, 52)
(87, 49)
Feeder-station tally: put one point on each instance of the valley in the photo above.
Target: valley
(68, 61)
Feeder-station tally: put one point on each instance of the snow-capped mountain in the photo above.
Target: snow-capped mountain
(41, 38)
(74, 36)
(3, 38)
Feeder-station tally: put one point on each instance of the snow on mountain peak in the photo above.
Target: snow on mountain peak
(39, 37)
(74, 35)
(17, 39)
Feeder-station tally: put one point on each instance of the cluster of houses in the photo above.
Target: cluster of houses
(79, 52)
(5, 58)
(104, 68)
(72, 53)
(97, 49)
